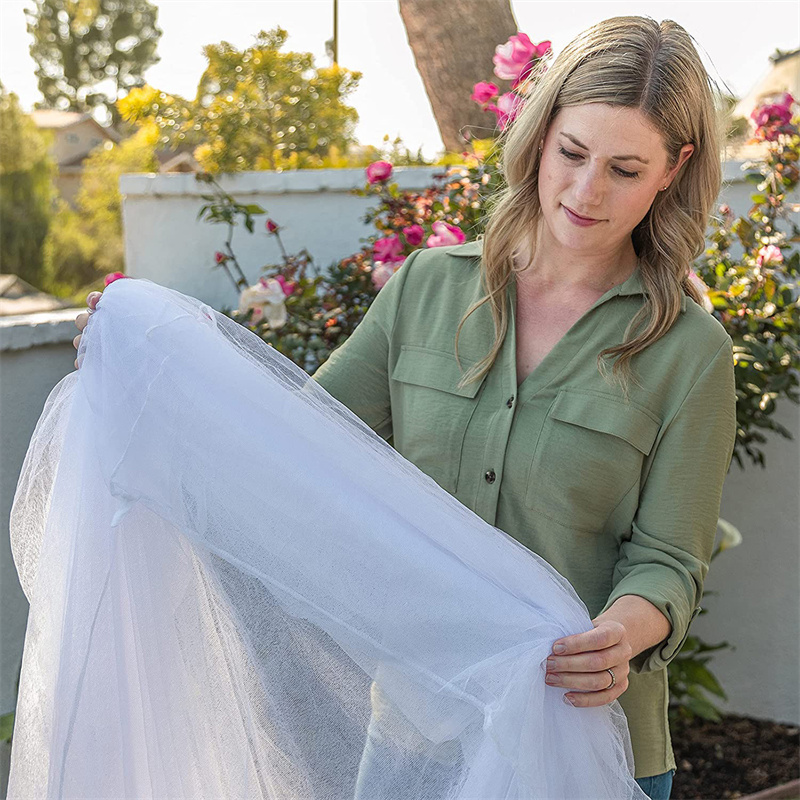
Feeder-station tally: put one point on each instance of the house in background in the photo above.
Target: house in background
(783, 75)
(76, 134)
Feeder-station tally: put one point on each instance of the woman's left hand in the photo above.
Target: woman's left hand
(584, 663)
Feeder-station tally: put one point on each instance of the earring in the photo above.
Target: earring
(664, 187)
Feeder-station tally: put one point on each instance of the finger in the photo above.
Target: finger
(81, 320)
(595, 639)
(92, 298)
(586, 681)
(76, 342)
(593, 661)
(76, 364)
(592, 699)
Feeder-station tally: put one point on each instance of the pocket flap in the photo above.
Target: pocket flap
(434, 369)
(633, 423)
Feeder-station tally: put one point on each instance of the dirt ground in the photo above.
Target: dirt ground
(733, 758)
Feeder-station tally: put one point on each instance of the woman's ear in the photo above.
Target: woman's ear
(683, 157)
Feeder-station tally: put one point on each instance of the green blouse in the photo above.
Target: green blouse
(621, 498)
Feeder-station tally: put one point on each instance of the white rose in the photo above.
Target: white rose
(265, 298)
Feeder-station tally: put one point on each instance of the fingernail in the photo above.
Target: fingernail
(568, 701)
(559, 648)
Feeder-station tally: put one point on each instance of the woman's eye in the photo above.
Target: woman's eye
(576, 156)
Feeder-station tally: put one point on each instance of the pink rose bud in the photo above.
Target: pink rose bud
(483, 92)
(220, 257)
(287, 286)
(414, 234)
(113, 276)
(379, 171)
(271, 226)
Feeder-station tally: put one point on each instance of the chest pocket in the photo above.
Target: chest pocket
(430, 413)
(588, 457)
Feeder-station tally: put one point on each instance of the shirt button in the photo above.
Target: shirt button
(490, 476)
(510, 401)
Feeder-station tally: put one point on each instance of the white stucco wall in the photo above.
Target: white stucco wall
(165, 242)
(757, 605)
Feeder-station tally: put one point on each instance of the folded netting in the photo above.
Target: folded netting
(238, 590)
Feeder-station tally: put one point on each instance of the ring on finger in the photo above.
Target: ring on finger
(613, 678)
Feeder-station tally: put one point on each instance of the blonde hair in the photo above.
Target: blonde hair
(633, 62)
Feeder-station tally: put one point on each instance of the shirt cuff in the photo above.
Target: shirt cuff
(648, 582)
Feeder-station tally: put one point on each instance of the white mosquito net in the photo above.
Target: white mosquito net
(237, 589)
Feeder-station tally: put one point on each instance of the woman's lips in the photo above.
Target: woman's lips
(581, 221)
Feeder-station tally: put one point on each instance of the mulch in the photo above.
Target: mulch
(736, 757)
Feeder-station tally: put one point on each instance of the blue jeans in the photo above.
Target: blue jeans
(657, 787)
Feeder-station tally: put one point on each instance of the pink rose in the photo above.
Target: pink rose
(220, 257)
(772, 119)
(265, 299)
(507, 109)
(414, 234)
(378, 171)
(445, 234)
(769, 255)
(388, 249)
(382, 271)
(287, 286)
(513, 60)
(483, 92)
(113, 276)
(510, 58)
(271, 226)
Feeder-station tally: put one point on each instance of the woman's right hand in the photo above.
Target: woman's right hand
(83, 318)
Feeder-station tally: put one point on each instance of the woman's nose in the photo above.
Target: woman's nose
(589, 187)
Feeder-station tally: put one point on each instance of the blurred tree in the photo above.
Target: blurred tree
(452, 44)
(27, 191)
(255, 109)
(79, 45)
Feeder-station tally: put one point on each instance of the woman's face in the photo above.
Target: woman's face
(606, 163)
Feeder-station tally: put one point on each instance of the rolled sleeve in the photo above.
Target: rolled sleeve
(667, 556)
(356, 373)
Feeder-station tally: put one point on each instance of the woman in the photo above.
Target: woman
(486, 365)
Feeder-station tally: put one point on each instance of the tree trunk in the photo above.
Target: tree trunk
(453, 42)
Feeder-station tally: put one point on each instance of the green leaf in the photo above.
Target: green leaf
(701, 675)
(6, 726)
(703, 708)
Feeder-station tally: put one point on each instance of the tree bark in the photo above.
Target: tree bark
(453, 42)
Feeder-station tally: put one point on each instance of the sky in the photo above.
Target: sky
(734, 38)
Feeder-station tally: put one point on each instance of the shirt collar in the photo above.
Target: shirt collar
(630, 286)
